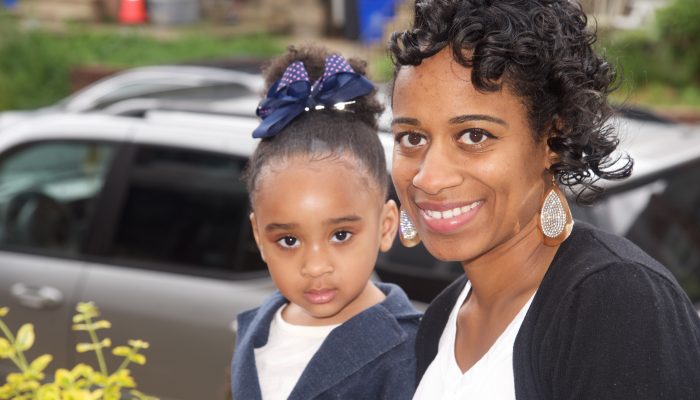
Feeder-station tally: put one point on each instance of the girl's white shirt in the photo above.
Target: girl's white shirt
(491, 378)
(288, 350)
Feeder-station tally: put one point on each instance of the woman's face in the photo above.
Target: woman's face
(466, 166)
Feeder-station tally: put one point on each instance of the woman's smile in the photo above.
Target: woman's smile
(445, 218)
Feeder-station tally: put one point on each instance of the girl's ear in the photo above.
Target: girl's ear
(389, 225)
(253, 223)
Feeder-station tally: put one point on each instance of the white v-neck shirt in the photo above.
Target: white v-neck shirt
(282, 360)
(491, 378)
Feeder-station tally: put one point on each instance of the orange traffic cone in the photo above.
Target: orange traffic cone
(132, 12)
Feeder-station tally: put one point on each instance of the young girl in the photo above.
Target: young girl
(318, 187)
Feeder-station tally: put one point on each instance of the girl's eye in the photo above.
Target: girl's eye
(411, 139)
(474, 136)
(289, 242)
(341, 236)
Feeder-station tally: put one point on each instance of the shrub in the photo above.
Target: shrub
(679, 29)
(35, 64)
(81, 382)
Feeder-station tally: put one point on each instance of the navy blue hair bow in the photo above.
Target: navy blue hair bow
(293, 94)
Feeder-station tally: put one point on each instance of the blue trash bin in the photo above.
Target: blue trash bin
(9, 3)
(373, 15)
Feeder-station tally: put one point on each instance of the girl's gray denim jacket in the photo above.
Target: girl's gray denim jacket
(370, 356)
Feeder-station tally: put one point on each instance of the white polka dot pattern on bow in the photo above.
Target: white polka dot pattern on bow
(294, 72)
(333, 65)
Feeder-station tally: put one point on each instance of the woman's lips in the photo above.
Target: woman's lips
(320, 296)
(443, 218)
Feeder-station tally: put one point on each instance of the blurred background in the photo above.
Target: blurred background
(125, 126)
(49, 48)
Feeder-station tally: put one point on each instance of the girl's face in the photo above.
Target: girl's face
(319, 226)
(466, 167)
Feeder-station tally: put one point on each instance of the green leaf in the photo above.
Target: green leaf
(81, 327)
(139, 344)
(102, 324)
(122, 351)
(139, 359)
(82, 370)
(84, 347)
(86, 307)
(25, 337)
(6, 349)
(64, 378)
(40, 363)
(78, 318)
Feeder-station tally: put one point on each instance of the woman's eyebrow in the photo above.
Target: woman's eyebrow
(405, 121)
(476, 117)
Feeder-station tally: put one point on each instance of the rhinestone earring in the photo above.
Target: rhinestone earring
(556, 222)
(407, 231)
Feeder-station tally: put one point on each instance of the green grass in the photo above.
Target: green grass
(35, 64)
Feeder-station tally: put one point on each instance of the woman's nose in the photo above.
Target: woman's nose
(436, 172)
(317, 262)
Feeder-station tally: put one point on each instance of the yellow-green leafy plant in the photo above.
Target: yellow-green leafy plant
(83, 382)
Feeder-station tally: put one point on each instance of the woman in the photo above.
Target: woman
(496, 104)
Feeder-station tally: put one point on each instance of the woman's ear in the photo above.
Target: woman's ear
(253, 223)
(554, 129)
(389, 225)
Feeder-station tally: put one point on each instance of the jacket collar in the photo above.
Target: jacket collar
(356, 343)
(337, 358)
(254, 329)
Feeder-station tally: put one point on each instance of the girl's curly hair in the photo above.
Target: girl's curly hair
(542, 50)
(323, 134)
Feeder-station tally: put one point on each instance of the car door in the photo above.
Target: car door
(173, 263)
(47, 197)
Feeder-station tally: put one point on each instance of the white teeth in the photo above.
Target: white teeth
(432, 214)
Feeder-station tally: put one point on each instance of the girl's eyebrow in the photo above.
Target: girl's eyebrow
(279, 227)
(276, 226)
(345, 219)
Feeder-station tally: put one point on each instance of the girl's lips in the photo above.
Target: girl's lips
(320, 296)
(446, 219)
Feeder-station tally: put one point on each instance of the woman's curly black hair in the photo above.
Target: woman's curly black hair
(542, 50)
(323, 134)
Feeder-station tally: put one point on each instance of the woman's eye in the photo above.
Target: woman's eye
(411, 139)
(341, 236)
(474, 136)
(288, 242)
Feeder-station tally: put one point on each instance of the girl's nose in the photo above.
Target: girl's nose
(436, 172)
(317, 262)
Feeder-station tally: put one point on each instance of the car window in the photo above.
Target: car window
(187, 208)
(48, 192)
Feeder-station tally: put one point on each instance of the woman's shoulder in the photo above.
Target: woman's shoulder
(608, 312)
(598, 277)
(590, 254)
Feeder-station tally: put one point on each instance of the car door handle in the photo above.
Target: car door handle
(37, 297)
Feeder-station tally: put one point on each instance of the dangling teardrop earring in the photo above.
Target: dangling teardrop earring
(407, 231)
(556, 222)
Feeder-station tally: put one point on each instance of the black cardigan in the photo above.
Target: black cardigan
(607, 322)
